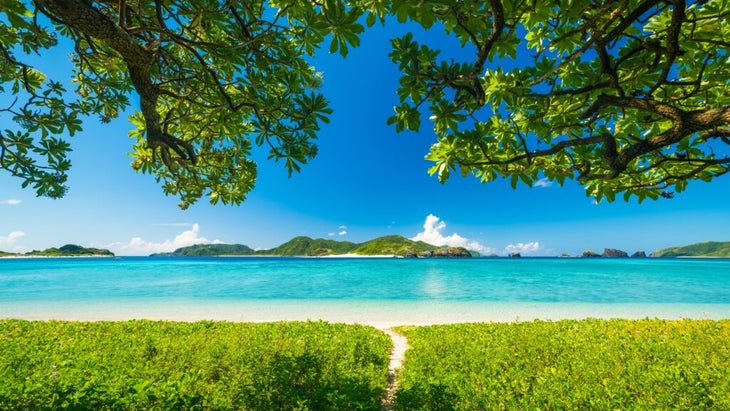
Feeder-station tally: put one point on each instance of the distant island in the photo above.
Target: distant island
(68, 250)
(392, 245)
(718, 249)
(611, 253)
(396, 245)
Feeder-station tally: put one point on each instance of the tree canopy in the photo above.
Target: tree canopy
(627, 97)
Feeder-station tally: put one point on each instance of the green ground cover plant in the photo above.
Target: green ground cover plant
(567, 365)
(572, 365)
(161, 365)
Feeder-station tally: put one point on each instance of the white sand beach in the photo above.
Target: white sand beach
(376, 313)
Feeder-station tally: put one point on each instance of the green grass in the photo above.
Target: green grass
(568, 365)
(136, 365)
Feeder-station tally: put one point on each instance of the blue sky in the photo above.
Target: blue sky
(367, 181)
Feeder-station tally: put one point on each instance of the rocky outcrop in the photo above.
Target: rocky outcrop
(447, 252)
(614, 253)
(514, 255)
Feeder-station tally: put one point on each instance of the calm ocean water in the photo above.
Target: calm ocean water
(255, 288)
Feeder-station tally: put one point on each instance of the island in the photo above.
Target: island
(718, 249)
(68, 250)
(206, 250)
(392, 245)
(611, 253)
(387, 246)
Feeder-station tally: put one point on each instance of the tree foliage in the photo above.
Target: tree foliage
(624, 96)
(627, 96)
(210, 76)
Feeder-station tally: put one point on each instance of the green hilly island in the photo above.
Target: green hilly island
(310, 247)
(68, 250)
(304, 246)
(389, 245)
(705, 249)
(203, 250)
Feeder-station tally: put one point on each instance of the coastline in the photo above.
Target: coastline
(355, 256)
(57, 256)
(291, 256)
(20, 257)
(380, 314)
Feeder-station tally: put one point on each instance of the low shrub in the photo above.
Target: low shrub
(567, 365)
(134, 365)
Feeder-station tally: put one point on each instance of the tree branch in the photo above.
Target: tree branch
(541, 153)
(82, 16)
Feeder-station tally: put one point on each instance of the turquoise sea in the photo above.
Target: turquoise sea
(369, 290)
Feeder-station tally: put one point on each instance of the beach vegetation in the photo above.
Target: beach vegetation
(574, 365)
(631, 100)
(570, 364)
(136, 365)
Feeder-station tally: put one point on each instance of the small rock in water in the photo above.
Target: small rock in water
(614, 253)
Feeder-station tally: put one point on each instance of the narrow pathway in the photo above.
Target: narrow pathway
(400, 346)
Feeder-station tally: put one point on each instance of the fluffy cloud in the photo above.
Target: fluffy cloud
(543, 182)
(10, 238)
(10, 201)
(432, 234)
(523, 248)
(139, 246)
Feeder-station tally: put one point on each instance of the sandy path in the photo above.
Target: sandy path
(400, 346)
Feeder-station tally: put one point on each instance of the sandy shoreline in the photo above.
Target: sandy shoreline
(376, 313)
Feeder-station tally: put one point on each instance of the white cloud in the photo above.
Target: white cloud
(140, 246)
(543, 182)
(432, 234)
(342, 231)
(11, 201)
(10, 238)
(523, 248)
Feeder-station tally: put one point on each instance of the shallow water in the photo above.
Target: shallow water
(378, 291)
